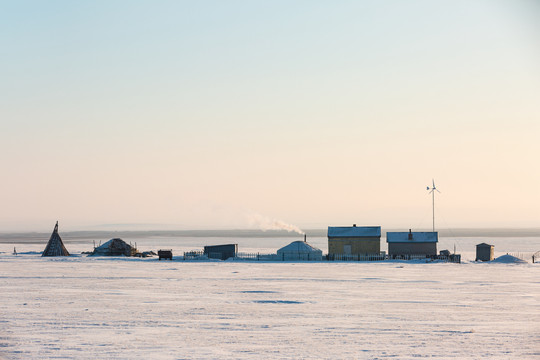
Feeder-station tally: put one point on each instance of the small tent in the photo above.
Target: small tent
(115, 247)
(299, 250)
(55, 246)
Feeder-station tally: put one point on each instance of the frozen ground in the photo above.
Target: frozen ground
(103, 308)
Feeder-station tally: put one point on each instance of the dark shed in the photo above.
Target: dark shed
(484, 252)
(222, 252)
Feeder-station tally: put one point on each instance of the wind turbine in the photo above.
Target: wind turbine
(432, 192)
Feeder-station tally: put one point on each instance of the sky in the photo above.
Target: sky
(233, 114)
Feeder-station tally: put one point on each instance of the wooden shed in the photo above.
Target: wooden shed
(222, 252)
(412, 243)
(484, 252)
(354, 240)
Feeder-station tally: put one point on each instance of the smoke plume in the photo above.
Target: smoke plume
(266, 223)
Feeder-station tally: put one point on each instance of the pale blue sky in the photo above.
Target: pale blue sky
(196, 113)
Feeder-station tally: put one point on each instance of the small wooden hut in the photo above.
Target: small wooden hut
(55, 246)
(222, 252)
(484, 252)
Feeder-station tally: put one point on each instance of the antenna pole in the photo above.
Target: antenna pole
(432, 191)
(433, 205)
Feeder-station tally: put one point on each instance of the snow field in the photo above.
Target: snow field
(119, 308)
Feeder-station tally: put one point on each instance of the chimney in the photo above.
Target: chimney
(305, 235)
(410, 234)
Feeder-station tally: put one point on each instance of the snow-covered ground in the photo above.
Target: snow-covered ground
(124, 308)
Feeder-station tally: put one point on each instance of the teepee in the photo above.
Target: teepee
(55, 246)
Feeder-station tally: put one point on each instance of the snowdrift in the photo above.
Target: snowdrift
(508, 259)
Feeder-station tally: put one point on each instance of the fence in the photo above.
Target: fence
(308, 257)
(528, 256)
(356, 257)
(196, 255)
(454, 258)
(193, 255)
(272, 257)
(346, 257)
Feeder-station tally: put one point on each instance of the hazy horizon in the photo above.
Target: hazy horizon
(254, 233)
(247, 114)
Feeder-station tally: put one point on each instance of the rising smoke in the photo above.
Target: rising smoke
(266, 223)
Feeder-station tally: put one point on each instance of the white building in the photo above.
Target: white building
(299, 250)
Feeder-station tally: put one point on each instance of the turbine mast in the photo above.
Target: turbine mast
(432, 192)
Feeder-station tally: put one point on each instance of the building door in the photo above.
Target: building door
(347, 249)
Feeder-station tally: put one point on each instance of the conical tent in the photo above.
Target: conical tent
(55, 246)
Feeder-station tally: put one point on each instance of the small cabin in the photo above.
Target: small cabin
(165, 254)
(354, 240)
(485, 252)
(412, 243)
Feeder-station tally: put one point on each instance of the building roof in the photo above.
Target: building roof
(298, 247)
(484, 245)
(222, 245)
(417, 237)
(354, 231)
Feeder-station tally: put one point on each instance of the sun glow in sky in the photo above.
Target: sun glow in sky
(199, 114)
